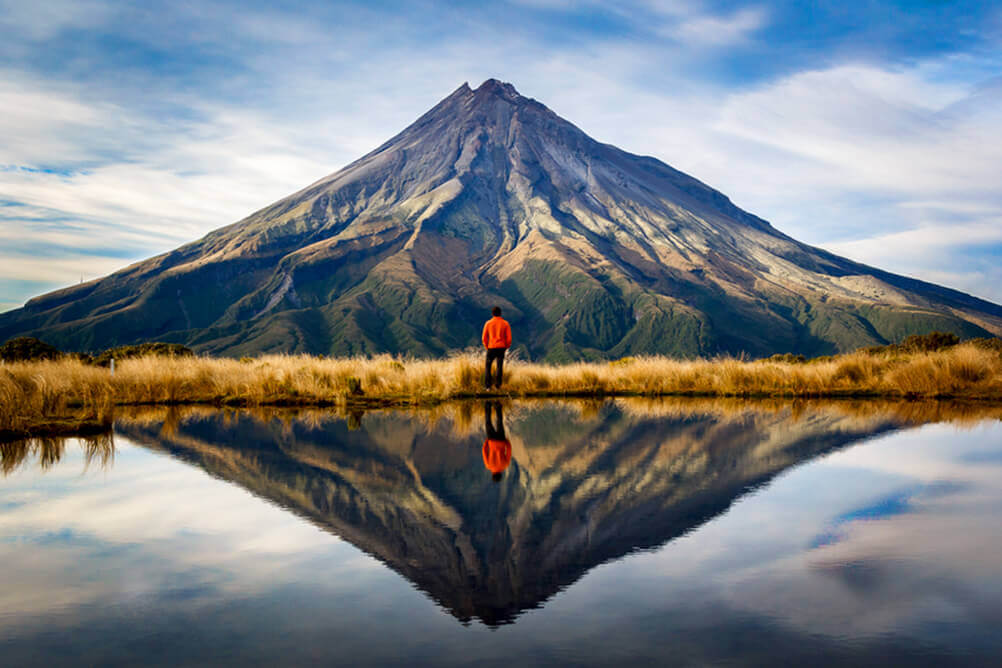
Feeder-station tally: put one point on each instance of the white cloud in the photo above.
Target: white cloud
(920, 243)
(717, 31)
(876, 129)
(66, 270)
(40, 124)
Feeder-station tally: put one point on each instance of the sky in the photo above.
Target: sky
(870, 128)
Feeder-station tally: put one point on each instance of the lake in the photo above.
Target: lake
(524, 533)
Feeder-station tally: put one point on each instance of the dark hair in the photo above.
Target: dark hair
(496, 311)
(497, 477)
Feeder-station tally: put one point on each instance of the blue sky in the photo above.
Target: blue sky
(868, 128)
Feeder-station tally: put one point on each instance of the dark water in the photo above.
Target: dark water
(692, 534)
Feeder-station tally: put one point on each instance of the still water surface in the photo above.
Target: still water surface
(624, 532)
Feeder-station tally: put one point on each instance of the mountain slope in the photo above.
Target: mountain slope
(490, 198)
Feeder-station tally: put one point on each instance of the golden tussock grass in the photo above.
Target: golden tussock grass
(36, 393)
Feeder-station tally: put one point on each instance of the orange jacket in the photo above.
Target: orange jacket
(497, 333)
(497, 455)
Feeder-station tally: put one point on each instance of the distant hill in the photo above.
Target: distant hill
(491, 198)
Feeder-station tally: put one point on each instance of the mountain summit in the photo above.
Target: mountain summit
(491, 198)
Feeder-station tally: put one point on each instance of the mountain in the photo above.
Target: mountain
(491, 198)
(580, 490)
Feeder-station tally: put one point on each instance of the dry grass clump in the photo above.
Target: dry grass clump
(34, 392)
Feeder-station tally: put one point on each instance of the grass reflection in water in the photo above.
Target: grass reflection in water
(46, 452)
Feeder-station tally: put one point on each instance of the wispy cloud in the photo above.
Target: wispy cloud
(880, 129)
(717, 31)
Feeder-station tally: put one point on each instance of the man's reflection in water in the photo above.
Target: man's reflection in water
(497, 448)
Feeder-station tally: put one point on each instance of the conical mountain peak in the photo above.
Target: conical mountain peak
(492, 105)
(500, 89)
(464, 99)
(491, 198)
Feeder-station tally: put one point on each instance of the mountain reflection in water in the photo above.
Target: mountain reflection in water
(435, 497)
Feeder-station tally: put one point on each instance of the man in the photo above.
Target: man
(497, 447)
(497, 339)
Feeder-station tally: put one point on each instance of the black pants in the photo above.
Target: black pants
(494, 355)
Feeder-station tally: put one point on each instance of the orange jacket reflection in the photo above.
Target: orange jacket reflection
(497, 455)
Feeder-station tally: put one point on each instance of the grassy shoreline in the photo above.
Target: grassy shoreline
(67, 395)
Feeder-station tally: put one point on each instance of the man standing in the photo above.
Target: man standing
(497, 339)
